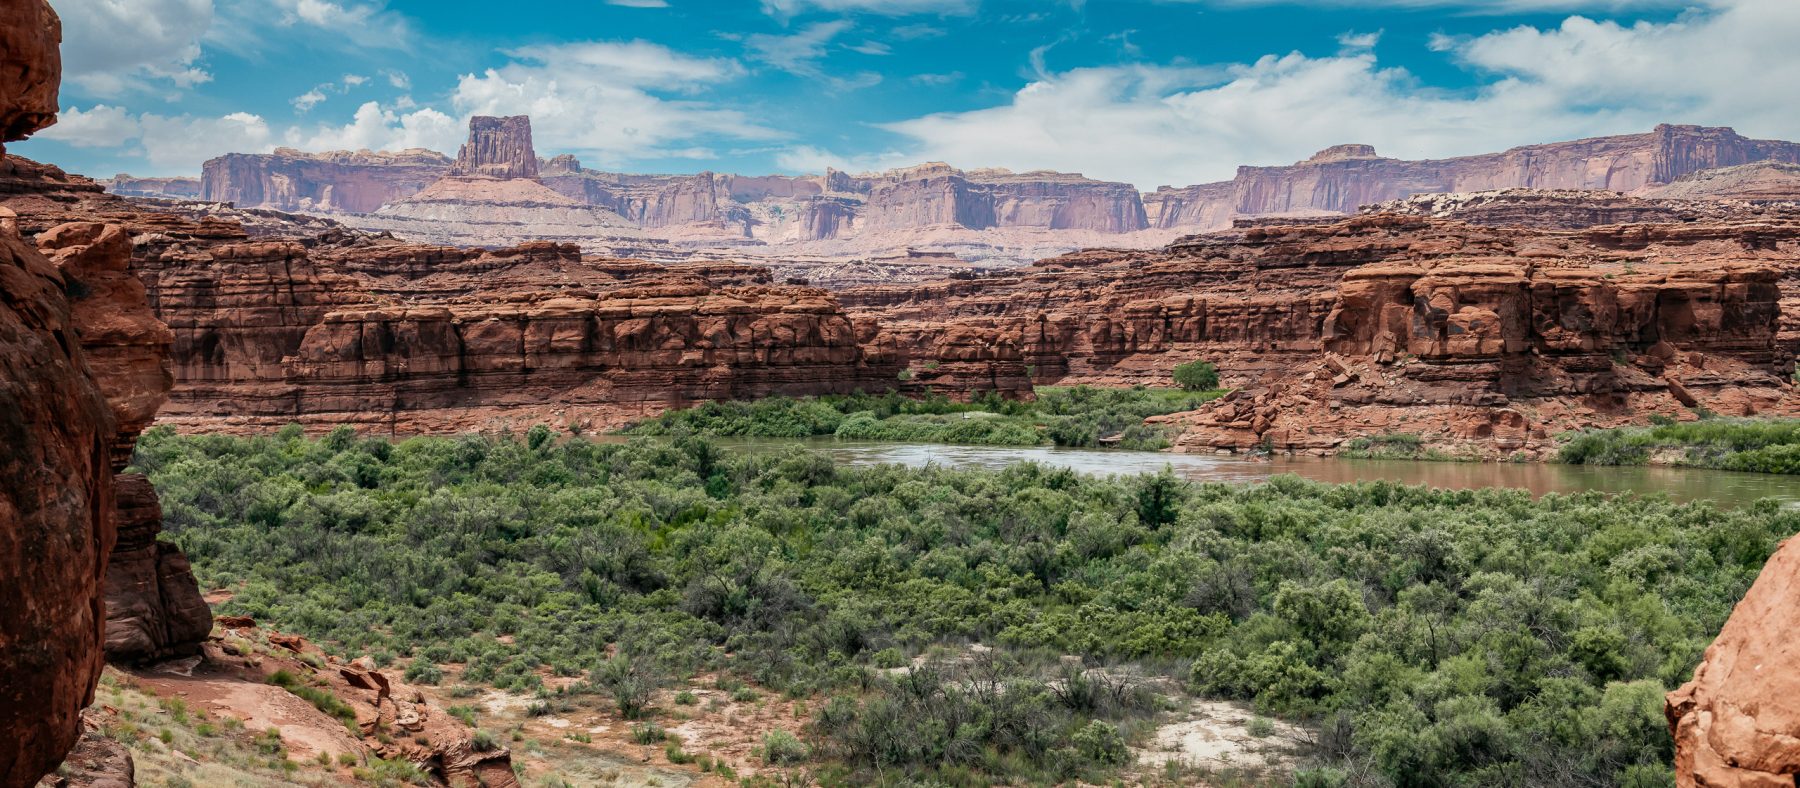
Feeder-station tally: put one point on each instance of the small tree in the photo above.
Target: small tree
(1197, 376)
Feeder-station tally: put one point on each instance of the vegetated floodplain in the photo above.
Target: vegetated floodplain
(1429, 637)
(1077, 416)
(1758, 445)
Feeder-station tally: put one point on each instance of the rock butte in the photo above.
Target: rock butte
(989, 216)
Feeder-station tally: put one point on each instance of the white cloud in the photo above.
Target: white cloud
(168, 145)
(251, 27)
(599, 100)
(1733, 65)
(398, 80)
(798, 53)
(306, 101)
(786, 8)
(1474, 6)
(1353, 41)
(635, 63)
(114, 46)
(377, 128)
(179, 145)
(353, 80)
(100, 126)
(365, 24)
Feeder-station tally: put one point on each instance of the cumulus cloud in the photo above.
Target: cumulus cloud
(99, 126)
(786, 8)
(606, 101)
(306, 101)
(169, 145)
(114, 46)
(1173, 124)
(375, 127)
(1474, 6)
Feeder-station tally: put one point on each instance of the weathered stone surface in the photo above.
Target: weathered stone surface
(1737, 723)
(290, 180)
(172, 188)
(1485, 339)
(153, 605)
(30, 68)
(348, 328)
(1339, 180)
(497, 148)
(56, 436)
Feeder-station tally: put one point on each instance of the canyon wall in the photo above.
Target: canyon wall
(1485, 339)
(988, 216)
(289, 180)
(343, 327)
(173, 188)
(83, 368)
(1338, 180)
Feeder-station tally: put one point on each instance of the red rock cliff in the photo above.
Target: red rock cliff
(1340, 179)
(497, 148)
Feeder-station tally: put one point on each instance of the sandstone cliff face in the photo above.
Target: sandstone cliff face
(1338, 180)
(1489, 338)
(290, 180)
(1735, 722)
(173, 188)
(497, 148)
(56, 444)
(30, 69)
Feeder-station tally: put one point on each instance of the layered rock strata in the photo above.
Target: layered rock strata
(497, 148)
(172, 188)
(1493, 339)
(290, 180)
(1338, 180)
(350, 328)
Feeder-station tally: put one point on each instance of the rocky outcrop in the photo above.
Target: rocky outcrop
(30, 69)
(153, 605)
(56, 449)
(337, 181)
(497, 148)
(1762, 182)
(1735, 723)
(1339, 180)
(173, 188)
(1485, 339)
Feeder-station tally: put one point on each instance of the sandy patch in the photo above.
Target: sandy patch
(1216, 734)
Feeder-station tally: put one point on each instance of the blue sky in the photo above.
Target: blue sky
(1146, 91)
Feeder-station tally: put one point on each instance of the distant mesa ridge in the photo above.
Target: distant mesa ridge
(722, 208)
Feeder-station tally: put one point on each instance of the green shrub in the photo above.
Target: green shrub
(1197, 376)
(781, 748)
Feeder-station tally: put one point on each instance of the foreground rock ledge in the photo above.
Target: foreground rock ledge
(1738, 722)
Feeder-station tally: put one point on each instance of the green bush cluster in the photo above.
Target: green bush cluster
(1757, 445)
(1072, 416)
(1197, 376)
(1431, 637)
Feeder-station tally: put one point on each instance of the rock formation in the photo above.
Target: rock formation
(83, 368)
(342, 327)
(1490, 339)
(1338, 180)
(172, 188)
(1735, 723)
(985, 215)
(497, 148)
(289, 180)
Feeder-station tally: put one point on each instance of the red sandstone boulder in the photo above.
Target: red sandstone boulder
(1738, 722)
